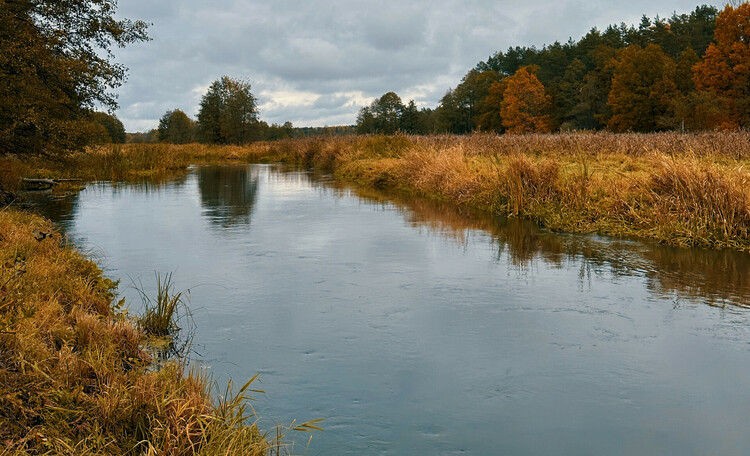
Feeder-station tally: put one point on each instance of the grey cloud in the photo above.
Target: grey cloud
(330, 101)
(321, 117)
(393, 31)
(331, 49)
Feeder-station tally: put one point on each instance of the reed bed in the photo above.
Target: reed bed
(75, 379)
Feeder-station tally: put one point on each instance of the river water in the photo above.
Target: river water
(414, 328)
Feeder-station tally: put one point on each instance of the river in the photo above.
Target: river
(417, 328)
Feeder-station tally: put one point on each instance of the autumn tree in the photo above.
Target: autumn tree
(694, 110)
(55, 66)
(578, 74)
(701, 110)
(725, 69)
(642, 90)
(526, 106)
(469, 98)
(228, 113)
(489, 119)
(175, 127)
(111, 129)
(683, 76)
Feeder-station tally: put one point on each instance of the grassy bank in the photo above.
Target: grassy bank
(74, 378)
(683, 190)
(679, 189)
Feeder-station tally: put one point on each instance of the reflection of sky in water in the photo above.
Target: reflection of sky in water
(287, 187)
(416, 328)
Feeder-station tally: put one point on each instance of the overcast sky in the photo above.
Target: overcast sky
(317, 63)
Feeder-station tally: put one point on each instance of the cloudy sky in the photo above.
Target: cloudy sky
(317, 63)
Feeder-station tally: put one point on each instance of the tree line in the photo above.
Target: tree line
(228, 114)
(688, 72)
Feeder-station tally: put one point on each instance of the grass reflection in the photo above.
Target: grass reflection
(710, 276)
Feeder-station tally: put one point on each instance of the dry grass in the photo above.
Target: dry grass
(74, 378)
(684, 190)
(112, 163)
(680, 189)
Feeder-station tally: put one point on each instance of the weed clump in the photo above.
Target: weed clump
(160, 315)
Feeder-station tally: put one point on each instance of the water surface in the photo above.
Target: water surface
(415, 328)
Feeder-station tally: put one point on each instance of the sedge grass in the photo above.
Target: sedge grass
(161, 314)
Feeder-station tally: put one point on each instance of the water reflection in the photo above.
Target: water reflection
(61, 207)
(228, 194)
(56, 207)
(715, 277)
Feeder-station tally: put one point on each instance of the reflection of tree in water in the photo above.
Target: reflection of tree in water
(228, 194)
(58, 208)
(716, 277)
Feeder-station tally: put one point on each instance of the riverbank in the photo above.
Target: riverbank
(687, 190)
(74, 376)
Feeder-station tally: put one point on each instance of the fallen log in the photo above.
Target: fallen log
(45, 183)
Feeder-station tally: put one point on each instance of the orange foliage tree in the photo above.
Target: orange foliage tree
(526, 106)
(490, 119)
(642, 91)
(725, 69)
